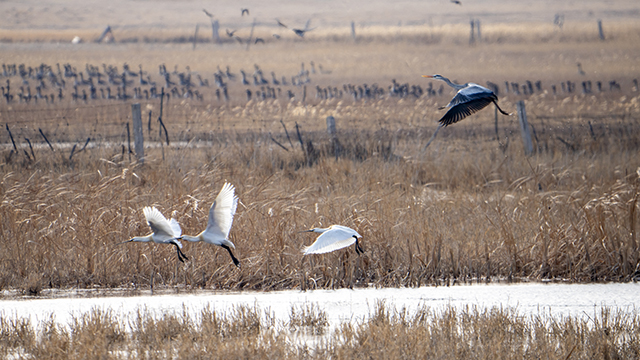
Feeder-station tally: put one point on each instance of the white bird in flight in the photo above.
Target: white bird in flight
(164, 231)
(220, 220)
(333, 238)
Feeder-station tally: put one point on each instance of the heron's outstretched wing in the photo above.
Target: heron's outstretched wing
(222, 211)
(158, 223)
(331, 240)
(464, 109)
(471, 92)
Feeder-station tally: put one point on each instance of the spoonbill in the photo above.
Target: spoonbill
(333, 238)
(164, 231)
(220, 220)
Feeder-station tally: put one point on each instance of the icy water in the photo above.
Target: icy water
(558, 300)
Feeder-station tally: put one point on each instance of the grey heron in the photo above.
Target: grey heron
(469, 99)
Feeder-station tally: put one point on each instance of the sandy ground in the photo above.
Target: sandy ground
(80, 14)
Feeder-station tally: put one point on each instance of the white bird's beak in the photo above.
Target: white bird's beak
(428, 76)
(303, 231)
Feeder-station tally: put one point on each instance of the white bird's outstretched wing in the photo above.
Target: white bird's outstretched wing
(160, 226)
(177, 231)
(337, 237)
(222, 211)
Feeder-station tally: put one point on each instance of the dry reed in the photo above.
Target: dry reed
(472, 208)
(389, 333)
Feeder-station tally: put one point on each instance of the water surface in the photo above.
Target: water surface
(558, 300)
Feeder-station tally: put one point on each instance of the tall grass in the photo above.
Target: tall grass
(449, 333)
(471, 208)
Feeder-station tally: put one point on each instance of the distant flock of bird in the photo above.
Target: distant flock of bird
(219, 223)
(52, 84)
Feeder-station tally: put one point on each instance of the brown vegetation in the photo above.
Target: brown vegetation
(387, 333)
(471, 208)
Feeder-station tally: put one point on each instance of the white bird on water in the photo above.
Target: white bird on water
(333, 238)
(164, 231)
(220, 220)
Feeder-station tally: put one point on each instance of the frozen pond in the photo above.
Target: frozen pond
(558, 300)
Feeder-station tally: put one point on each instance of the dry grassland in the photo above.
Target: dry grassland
(390, 334)
(471, 208)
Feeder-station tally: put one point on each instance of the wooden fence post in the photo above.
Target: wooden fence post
(45, 139)
(128, 142)
(472, 39)
(353, 30)
(195, 37)
(11, 136)
(215, 27)
(149, 125)
(524, 128)
(333, 134)
(138, 139)
(600, 31)
(253, 26)
(331, 126)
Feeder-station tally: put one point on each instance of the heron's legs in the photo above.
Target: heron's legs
(502, 111)
(235, 260)
(432, 137)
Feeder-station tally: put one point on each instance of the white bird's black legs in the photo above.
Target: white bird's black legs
(235, 260)
(359, 250)
(181, 256)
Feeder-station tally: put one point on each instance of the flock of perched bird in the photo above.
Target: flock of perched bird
(52, 84)
(219, 225)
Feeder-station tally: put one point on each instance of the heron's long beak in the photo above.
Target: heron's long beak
(428, 76)
(304, 231)
(124, 242)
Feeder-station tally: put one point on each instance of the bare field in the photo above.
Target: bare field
(473, 207)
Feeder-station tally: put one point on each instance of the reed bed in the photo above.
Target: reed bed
(470, 209)
(473, 207)
(449, 333)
